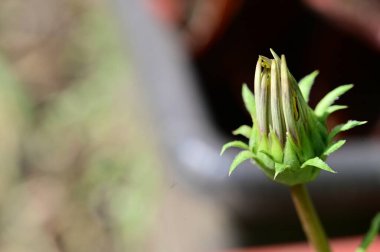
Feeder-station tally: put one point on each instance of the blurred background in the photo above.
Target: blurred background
(113, 112)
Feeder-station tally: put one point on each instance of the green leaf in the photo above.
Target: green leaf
(306, 83)
(330, 98)
(249, 100)
(319, 163)
(343, 127)
(243, 130)
(235, 144)
(371, 235)
(240, 158)
(334, 147)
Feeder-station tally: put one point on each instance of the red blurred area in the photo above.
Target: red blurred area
(339, 245)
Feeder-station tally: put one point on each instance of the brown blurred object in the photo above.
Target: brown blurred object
(202, 22)
(199, 22)
(68, 166)
(33, 35)
(360, 17)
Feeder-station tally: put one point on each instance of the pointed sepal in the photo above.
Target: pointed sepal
(240, 158)
(275, 147)
(332, 109)
(330, 98)
(290, 153)
(249, 100)
(318, 163)
(334, 147)
(263, 150)
(306, 83)
(243, 130)
(253, 138)
(343, 127)
(279, 168)
(234, 144)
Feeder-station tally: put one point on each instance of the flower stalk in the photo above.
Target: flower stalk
(309, 218)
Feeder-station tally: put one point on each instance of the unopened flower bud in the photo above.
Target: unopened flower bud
(288, 140)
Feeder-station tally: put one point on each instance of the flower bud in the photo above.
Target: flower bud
(288, 140)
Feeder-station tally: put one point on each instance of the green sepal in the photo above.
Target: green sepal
(263, 150)
(290, 153)
(330, 98)
(266, 159)
(319, 163)
(240, 158)
(275, 147)
(343, 127)
(306, 83)
(234, 144)
(270, 164)
(334, 147)
(249, 100)
(279, 168)
(332, 109)
(318, 135)
(261, 165)
(253, 138)
(306, 145)
(243, 130)
(263, 144)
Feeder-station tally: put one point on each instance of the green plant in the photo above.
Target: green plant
(371, 234)
(288, 140)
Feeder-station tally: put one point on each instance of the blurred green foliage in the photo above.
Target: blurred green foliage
(79, 171)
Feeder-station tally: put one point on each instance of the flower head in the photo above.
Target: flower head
(289, 141)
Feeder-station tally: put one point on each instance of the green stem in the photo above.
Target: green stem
(309, 219)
